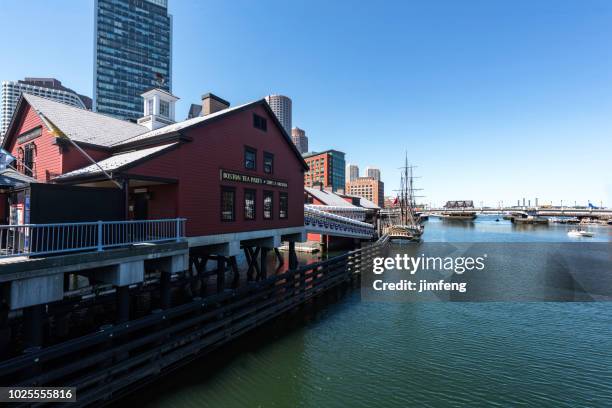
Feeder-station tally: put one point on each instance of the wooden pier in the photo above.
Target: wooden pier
(115, 359)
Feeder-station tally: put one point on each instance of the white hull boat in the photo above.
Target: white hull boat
(579, 233)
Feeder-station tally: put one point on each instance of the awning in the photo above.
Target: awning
(10, 178)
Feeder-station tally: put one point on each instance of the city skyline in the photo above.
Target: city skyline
(46, 87)
(488, 104)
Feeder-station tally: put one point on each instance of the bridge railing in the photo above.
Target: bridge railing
(328, 222)
(356, 213)
(58, 238)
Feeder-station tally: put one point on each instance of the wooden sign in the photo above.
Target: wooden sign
(250, 179)
(29, 135)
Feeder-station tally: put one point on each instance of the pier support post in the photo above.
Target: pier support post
(251, 256)
(279, 256)
(33, 326)
(235, 271)
(199, 263)
(293, 261)
(5, 330)
(263, 268)
(220, 274)
(164, 286)
(123, 303)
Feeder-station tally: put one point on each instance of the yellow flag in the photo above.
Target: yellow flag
(54, 130)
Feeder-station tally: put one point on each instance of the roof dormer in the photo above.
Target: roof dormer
(158, 109)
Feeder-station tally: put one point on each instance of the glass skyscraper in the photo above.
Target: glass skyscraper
(132, 54)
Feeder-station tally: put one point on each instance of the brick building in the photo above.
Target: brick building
(326, 169)
(368, 188)
(300, 140)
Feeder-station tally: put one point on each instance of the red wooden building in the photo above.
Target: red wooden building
(233, 173)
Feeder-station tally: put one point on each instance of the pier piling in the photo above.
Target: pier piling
(33, 326)
(263, 268)
(123, 303)
(164, 287)
(293, 261)
(220, 274)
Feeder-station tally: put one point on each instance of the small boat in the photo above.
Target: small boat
(462, 210)
(529, 219)
(459, 216)
(421, 216)
(577, 232)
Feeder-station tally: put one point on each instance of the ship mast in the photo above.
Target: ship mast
(408, 197)
(406, 194)
(408, 220)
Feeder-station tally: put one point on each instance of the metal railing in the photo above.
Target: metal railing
(356, 213)
(320, 221)
(48, 239)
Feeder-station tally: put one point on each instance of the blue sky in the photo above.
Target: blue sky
(492, 100)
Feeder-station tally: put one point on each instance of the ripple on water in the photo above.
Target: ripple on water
(364, 354)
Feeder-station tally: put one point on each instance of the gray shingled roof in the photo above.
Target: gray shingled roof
(115, 162)
(89, 127)
(175, 127)
(365, 203)
(328, 198)
(85, 126)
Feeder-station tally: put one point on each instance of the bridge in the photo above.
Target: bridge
(537, 211)
(320, 219)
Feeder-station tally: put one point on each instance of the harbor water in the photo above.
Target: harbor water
(351, 352)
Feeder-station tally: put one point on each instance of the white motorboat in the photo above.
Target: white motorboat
(579, 233)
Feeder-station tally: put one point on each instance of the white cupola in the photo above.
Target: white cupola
(158, 109)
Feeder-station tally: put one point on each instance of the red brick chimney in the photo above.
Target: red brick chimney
(211, 103)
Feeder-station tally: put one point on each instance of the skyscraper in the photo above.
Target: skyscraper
(300, 140)
(352, 170)
(373, 172)
(132, 54)
(281, 106)
(47, 87)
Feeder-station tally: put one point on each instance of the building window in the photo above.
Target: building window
(267, 204)
(283, 205)
(164, 108)
(29, 157)
(228, 203)
(260, 122)
(268, 162)
(149, 106)
(249, 204)
(250, 158)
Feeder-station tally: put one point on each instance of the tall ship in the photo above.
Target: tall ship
(462, 210)
(406, 225)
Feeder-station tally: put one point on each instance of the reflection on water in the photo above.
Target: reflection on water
(438, 354)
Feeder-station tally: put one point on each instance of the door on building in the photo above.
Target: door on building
(141, 206)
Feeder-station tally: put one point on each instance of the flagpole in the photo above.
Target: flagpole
(59, 133)
(95, 163)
